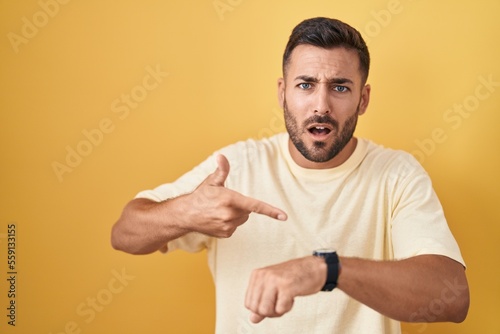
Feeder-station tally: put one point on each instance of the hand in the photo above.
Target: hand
(272, 290)
(218, 211)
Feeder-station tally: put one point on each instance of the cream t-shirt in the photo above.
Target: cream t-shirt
(378, 205)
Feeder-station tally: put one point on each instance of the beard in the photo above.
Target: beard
(320, 151)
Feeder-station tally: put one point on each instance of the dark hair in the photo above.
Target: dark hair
(328, 33)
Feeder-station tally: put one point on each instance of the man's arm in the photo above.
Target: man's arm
(403, 290)
(146, 226)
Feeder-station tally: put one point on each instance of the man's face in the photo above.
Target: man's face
(322, 96)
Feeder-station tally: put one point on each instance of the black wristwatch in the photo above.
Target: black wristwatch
(333, 267)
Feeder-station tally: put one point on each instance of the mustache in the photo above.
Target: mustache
(325, 119)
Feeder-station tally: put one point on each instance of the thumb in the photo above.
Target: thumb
(220, 175)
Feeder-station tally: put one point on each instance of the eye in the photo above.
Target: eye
(341, 89)
(304, 85)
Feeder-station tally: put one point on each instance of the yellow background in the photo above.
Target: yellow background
(427, 56)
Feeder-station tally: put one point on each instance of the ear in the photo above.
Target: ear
(281, 92)
(365, 99)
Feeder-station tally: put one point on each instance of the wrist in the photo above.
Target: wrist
(333, 267)
(177, 211)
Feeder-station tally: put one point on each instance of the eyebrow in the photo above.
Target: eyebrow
(340, 81)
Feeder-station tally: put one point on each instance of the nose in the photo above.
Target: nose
(322, 101)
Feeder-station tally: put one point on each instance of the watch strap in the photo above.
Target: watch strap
(333, 268)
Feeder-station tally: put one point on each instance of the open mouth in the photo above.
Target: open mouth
(319, 130)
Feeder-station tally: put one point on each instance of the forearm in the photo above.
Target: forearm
(405, 290)
(146, 226)
(211, 209)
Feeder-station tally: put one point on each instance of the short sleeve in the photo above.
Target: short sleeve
(195, 242)
(183, 185)
(418, 223)
(191, 242)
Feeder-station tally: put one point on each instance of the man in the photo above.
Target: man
(315, 189)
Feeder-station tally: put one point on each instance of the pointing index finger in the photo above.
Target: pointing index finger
(254, 205)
